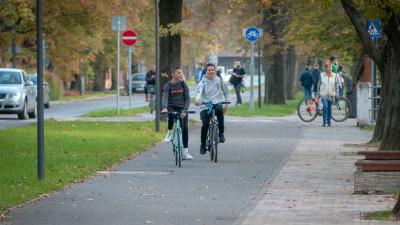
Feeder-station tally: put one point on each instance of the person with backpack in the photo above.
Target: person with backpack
(236, 80)
(307, 81)
(176, 98)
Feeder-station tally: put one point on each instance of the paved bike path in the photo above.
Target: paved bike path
(150, 189)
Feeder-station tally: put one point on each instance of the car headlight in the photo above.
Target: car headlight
(14, 95)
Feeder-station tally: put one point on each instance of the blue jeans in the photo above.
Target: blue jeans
(307, 92)
(327, 109)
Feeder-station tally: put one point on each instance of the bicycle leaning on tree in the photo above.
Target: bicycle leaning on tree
(177, 142)
(309, 108)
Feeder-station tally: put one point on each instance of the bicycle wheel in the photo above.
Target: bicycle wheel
(210, 142)
(175, 154)
(340, 109)
(215, 142)
(179, 147)
(307, 109)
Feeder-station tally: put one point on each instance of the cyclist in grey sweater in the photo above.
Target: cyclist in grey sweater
(176, 98)
(211, 88)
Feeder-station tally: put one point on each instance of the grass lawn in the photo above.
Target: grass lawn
(267, 110)
(88, 95)
(385, 215)
(122, 112)
(73, 151)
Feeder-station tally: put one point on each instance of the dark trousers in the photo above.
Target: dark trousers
(205, 118)
(184, 126)
(238, 89)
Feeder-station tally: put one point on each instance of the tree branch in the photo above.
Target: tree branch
(362, 33)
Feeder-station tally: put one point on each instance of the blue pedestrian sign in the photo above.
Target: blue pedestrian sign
(252, 34)
(374, 28)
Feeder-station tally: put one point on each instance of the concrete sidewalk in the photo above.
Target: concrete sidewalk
(315, 186)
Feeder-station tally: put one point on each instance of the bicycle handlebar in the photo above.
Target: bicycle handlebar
(176, 112)
(222, 103)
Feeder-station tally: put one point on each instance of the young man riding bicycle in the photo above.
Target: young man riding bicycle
(211, 89)
(176, 98)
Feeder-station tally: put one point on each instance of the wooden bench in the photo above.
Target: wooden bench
(378, 165)
(380, 155)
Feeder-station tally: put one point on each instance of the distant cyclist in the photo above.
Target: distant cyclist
(176, 98)
(211, 88)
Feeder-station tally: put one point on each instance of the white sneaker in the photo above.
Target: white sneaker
(186, 155)
(168, 138)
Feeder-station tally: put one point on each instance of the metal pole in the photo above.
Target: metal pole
(157, 47)
(259, 74)
(117, 75)
(374, 88)
(130, 75)
(40, 114)
(251, 77)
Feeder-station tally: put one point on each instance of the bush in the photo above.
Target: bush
(56, 86)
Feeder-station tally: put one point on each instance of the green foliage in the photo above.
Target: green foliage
(74, 151)
(323, 29)
(56, 87)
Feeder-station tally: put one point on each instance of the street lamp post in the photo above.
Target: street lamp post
(40, 114)
(157, 59)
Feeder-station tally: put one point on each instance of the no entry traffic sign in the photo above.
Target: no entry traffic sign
(129, 37)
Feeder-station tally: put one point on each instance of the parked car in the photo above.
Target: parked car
(17, 93)
(138, 82)
(46, 90)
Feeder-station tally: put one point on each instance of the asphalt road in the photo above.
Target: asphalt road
(71, 110)
(150, 189)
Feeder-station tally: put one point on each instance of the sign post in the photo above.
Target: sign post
(252, 34)
(40, 111)
(118, 24)
(374, 29)
(157, 59)
(129, 38)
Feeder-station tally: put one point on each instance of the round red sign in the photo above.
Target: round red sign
(129, 37)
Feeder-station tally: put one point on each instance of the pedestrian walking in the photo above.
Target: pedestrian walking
(327, 87)
(307, 81)
(198, 72)
(150, 82)
(236, 80)
(316, 72)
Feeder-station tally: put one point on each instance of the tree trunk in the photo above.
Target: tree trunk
(274, 24)
(276, 84)
(388, 62)
(170, 46)
(396, 208)
(291, 73)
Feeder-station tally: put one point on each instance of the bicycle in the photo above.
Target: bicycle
(308, 109)
(213, 134)
(177, 143)
(152, 102)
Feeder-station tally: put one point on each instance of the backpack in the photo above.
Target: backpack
(307, 79)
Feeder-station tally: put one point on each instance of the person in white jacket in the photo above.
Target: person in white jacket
(211, 88)
(327, 89)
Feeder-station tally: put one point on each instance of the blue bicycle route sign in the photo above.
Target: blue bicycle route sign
(374, 28)
(252, 34)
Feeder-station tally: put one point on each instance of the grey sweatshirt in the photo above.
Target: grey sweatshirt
(176, 95)
(211, 90)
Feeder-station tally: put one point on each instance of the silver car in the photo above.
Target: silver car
(138, 82)
(17, 93)
(46, 90)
